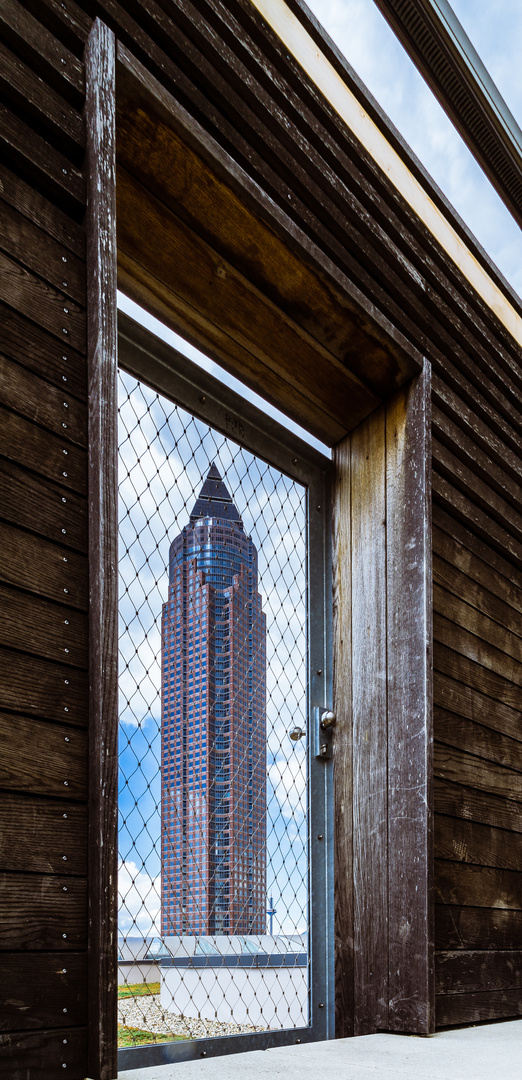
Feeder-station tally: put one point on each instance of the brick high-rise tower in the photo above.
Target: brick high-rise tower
(213, 727)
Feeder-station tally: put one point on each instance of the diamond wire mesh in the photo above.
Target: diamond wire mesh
(207, 958)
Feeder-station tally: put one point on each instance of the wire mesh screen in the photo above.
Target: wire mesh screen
(213, 880)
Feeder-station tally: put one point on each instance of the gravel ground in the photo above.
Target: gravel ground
(147, 1014)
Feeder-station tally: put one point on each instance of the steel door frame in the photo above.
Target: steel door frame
(164, 369)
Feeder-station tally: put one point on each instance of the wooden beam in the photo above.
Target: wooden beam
(409, 706)
(103, 550)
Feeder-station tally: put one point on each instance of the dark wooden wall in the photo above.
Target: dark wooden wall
(43, 528)
(477, 567)
(230, 71)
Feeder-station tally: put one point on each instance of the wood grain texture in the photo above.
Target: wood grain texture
(103, 549)
(464, 641)
(41, 353)
(370, 742)
(42, 452)
(52, 407)
(460, 505)
(40, 252)
(43, 1054)
(49, 308)
(491, 633)
(473, 804)
(463, 972)
(464, 703)
(59, 521)
(464, 549)
(51, 991)
(36, 915)
(481, 422)
(38, 755)
(483, 845)
(467, 671)
(475, 1008)
(42, 568)
(41, 104)
(477, 928)
(409, 707)
(31, 624)
(479, 459)
(343, 742)
(41, 163)
(477, 886)
(45, 215)
(478, 740)
(463, 768)
(484, 600)
(42, 688)
(60, 68)
(42, 835)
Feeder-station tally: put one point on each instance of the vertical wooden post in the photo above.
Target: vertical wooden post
(383, 701)
(103, 588)
(410, 695)
(343, 788)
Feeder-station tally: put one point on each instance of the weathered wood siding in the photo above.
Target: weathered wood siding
(477, 573)
(43, 528)
(230, 71)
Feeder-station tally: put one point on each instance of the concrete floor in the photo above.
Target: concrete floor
(489, 1052)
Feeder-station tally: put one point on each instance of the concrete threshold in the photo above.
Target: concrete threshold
(487, 1052)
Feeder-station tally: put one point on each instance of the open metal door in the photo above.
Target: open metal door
(226, 888)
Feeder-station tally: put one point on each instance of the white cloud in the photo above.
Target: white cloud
(139, 902)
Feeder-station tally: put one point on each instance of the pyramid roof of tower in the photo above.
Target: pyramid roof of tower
(215, 500)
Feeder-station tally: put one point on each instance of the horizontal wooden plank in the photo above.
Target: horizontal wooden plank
(42, 835)
(469, 673)
(489, 472)
(476, 805)
(477, 886)
(466, 971)
(44, 214)
(41, 1055)
(37, 160)
(51, 990)
(477, 928)
(69, 24)
(43, 507)
(37, 915)
(471, 515)
(42, 353)
(34, 448)
(482, 845)
(41, 105)
(486, 603)
(453, 1010)
(460, 700)
(36, 250)
(464, 641)
(38, 755)
(49, 308)
(475, 617)
(53, 407)
(463, 768)
(479, 740)
(41, 688)
(199, 285)
(474, 488)
(31, 624)
(479, 420)
(40, 567)
(49, 57)
(449, 542)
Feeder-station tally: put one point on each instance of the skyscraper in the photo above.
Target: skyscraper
(213, 726)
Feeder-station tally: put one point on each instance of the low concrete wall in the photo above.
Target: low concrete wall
(268, 996)
(137, 971)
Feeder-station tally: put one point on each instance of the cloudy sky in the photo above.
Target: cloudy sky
(495, 30)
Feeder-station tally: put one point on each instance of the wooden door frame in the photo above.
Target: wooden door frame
(382, 530)
(384, 736)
